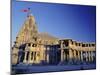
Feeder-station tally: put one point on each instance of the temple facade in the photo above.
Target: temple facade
(33, 47)
(73, 51)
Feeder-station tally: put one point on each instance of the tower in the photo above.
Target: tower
(28, 33)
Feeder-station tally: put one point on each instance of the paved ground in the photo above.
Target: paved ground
(35, 69)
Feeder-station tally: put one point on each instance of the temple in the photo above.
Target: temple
(33, 47)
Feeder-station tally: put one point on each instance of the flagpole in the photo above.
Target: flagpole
(29, 12)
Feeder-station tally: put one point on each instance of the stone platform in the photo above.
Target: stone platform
(26, 69)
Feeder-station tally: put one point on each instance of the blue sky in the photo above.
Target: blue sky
(77, 22)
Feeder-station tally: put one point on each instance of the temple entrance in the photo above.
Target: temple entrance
(66, 55)
(21, 56)
(58, 56)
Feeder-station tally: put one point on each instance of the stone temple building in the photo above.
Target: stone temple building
(33, 47)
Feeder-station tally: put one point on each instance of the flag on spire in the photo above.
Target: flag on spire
(26, 10)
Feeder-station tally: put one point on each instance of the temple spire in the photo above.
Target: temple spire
(29, 29)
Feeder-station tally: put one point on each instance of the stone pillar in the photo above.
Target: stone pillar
(47, 58)
(67, 55)
(25, 57)
(37, 57)
(89, 55)
(78, 55)
(82, 56)
(62, 55)
(29, 58)
(62, 52)
(86, 56)
(75, 55)
(70, 55)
